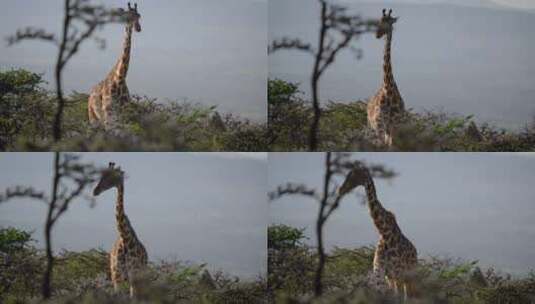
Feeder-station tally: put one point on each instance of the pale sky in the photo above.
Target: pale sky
(526, 4)
(520, 4)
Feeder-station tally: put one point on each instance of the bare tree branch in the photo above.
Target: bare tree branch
(20, 192)
(337, 31)
(81, 19)
(287, 43)
(71, 178)
(292, 189)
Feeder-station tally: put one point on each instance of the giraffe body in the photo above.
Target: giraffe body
(128, 257)
(395, 256)
(107, 96)
(387, 106)
(104, 99)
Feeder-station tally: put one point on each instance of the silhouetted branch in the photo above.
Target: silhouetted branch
(71, 178)
(20, 191)
(292, 189)
(81, 19)
(287, 43)
(335, 22)
(336, 164)
(31, 33)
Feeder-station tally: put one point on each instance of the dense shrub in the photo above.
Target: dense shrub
(348, 277)
(83, 277)
(343, 127)
(27, 113)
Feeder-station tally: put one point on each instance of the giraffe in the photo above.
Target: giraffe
(112, 91)
(395, 256)
(128, 256)
(387, 105)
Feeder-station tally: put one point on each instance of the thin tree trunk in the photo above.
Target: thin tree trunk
(313, 136)
(318, 284)
(59, 67)
(47, 278)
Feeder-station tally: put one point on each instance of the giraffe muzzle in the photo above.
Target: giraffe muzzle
(97, 191)
(343, 190)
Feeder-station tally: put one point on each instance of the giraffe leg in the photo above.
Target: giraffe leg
(133, 280)
(410, 290)
(395, 286)
(92, 103)
(388, 139)
(115, 275)
(92, 116)
(132, 291)
(117, 264)
(405, 292)
(391, 283)
(107, 110)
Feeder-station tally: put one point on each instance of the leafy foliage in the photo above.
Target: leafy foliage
(337, 30)
(27, 115)
(83, 277)
(348, 280)
(12, 239)
(283, 236)
(19, 82)
(343, 127)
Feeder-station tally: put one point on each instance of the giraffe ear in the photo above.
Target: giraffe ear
(384, 12)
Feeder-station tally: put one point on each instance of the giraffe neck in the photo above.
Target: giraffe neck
(123, 224)
(388, 75)
(121, 67)
(377, 211)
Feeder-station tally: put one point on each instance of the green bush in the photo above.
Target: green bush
(19, 82)
(13, 240)
(21, 266)
(284, 237)
(348, 278)
(27, 114)
(83, 277)
(343, 127)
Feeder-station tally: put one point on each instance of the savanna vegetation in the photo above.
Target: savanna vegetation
(348, 278)
(83, 277)
(28, 109)
(343, 127)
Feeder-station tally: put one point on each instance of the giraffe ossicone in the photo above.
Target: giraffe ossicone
(387, 107)
(128, 257)
(106, 98)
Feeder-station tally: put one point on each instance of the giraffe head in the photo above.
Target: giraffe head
(132, 16)
(386, 25)
(358, 176)
(110, 178)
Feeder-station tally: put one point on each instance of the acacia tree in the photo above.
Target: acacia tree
(337, 31)
(336, 165)
(70, 180)
(81, 19)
